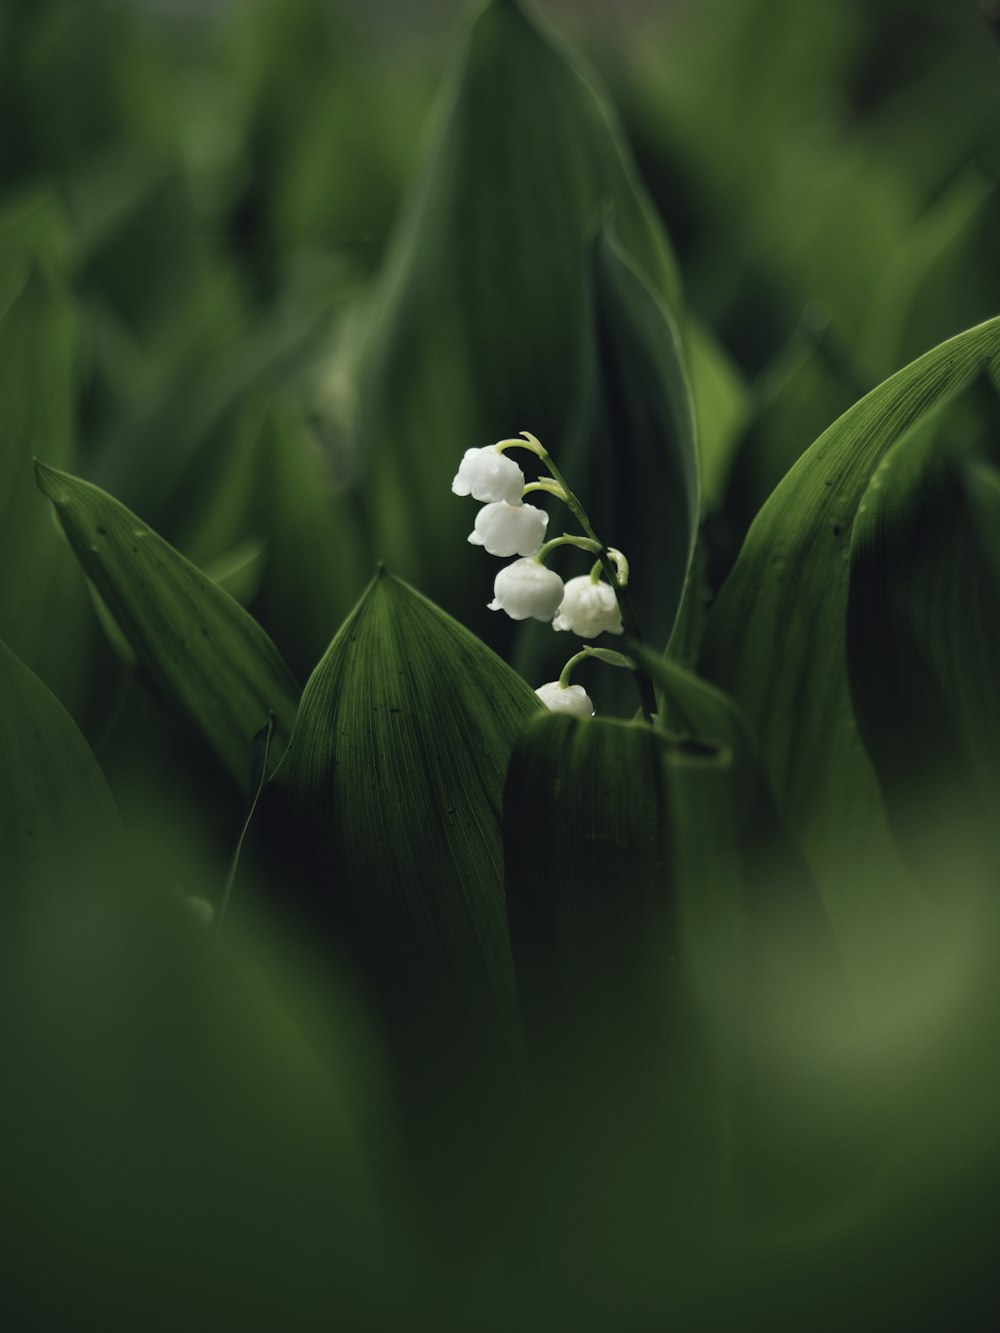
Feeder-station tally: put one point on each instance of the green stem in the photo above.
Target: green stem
(567, 539)
(567, 670)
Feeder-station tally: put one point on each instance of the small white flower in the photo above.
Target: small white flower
(506, 529)
(486, 474)
(525, 589)
(589, 609)
(572, 699)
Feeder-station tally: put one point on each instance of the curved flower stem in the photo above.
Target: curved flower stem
(567, 670)
(567, 539)
(606, 655)
(547, 484)
(647, 696)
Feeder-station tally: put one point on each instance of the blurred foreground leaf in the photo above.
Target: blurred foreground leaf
(205, 655)
(43, 612)
(57, 816)
(382, 830)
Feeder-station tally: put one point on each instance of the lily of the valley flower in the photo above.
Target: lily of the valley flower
(572, 699)
(509, 529)
(589, 607)
(526, 589)
(487, 474)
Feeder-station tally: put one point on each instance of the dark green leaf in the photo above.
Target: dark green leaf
(640, 464)
(43, 612)
(57, 817)
(634, 465)
(924, 638)
(776, 641)
(385, 811)
(201, 650)
(477, 329)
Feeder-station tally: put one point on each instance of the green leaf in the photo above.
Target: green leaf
(204, 654)
(57, 816)
(776, 640)
(483, 298)
(923, 647)
(982, 484)
(641, 484)
(316, 569)
(936, 282)
(587, 866)
(804, 387)
(384, 815)
(722, 402)
(43, 612)
(634, 464)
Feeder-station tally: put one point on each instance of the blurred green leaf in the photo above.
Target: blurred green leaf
(722, 402)
(586, 858)
(923, 643)
(198, 1103)
(57, 816)
(316, 565)
(640, 462)
(806, 386)
(476, 328)
(385, 811)
(776, 642)
(43, 612)
(198, 647)
(936, 282)
(982, 483)
(635, 462)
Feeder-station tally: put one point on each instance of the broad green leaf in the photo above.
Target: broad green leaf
(476, 328)
(57, 816)
(384, 815)
(203, 653)
(776, 642)
(382, 833)
(923, 645)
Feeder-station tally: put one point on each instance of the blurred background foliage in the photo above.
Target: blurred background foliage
(267, 267)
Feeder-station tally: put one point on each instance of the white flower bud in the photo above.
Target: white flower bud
(506, 529)
(572, 699)
(589, 609)
(486, 474)
(525, 589)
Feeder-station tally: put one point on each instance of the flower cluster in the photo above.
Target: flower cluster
(527, 589)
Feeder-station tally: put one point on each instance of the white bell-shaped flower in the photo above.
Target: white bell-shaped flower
(486, 474)
(527, 589)
(506, 529)
(588, 609)
(572, 699)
